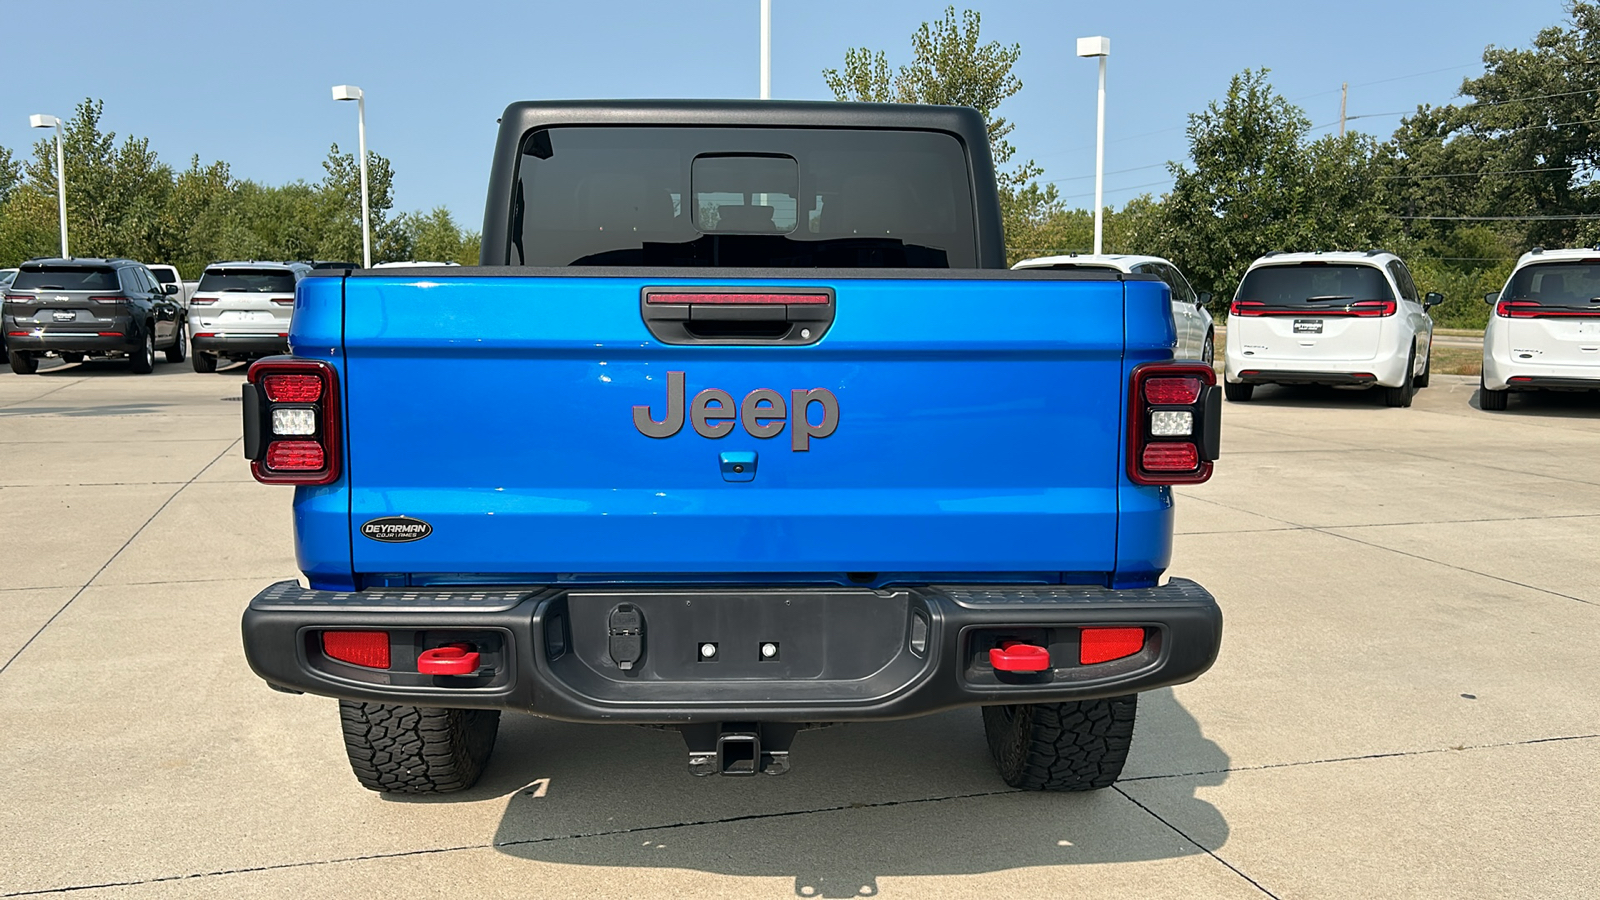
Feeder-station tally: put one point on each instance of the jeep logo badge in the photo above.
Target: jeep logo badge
(762, 412)
(396, 529)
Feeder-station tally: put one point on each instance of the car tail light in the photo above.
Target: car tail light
(1247, 308)
(110, 334)
(19, 298)
(1370, 309)
(369, 649)
(107, 299)
(205, 334)
(202, 301)
(1361, 309)
(283, 301)
(17, 333)
(1098, 645)
(1174, 423)
(292, 421)
(1533, 309)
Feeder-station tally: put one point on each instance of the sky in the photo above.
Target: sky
(249, 83)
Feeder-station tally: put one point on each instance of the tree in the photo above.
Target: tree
(342, 187)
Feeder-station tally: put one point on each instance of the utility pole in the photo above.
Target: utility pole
(1344, 97)
(766, 49)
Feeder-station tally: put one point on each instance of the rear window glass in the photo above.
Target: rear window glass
(1314, 285)
(1575, 284)
(165, 274)
(254, 281)
(668, 196)
(66, 278)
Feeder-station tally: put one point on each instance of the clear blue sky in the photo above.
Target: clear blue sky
(249, 83)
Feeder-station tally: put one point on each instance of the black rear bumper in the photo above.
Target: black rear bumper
(1551, 383)
(1286, 376)
(838, 654)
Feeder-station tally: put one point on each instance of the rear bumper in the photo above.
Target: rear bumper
(242, 344)
(1287, 376)
(842, 654)
(1551, 383)
(71, 342)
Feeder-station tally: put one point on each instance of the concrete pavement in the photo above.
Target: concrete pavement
(1407, 702)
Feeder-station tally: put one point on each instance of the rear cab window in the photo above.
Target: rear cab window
(1568, 285)
(250, 281)
(780, 197)
(1312, 287)
(66, 278)
(165, 274)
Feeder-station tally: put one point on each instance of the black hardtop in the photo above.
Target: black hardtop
(963, 123)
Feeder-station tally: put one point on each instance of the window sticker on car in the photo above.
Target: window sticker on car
(1307, 326)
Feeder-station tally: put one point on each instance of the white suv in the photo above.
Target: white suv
(241, 311)
(1545, 330)
(1351, 319)
(1196, 339)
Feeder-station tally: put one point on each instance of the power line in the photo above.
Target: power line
(1131, 187)
(1495, 218)
(1118, 172)
(1480, 174)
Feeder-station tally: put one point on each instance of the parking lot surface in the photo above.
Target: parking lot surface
(1407, 703)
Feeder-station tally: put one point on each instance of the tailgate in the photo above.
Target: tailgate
(979, 431)
(1567, 340)
(1306, 337)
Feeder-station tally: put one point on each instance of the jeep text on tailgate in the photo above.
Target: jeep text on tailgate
(742, 427)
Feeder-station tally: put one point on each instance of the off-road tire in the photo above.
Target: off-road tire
(1489, 401)
(143, 360)
(1237, 393)
(203, 362)
(1427, 368)
(1402, 396)
(1078, 746)
(23, 363)
(175, 353)
(417, 750)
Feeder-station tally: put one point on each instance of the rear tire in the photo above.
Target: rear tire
(175, 353)
(143, 360)
(417, 750)
(1238, 393)
(1489, 401)
(23, 363)
(203, 362)
(1078, 746)
(1401, 396)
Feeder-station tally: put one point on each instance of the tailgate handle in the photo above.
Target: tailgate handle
(742, 315)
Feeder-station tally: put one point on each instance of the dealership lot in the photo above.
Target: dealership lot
(1407, 701)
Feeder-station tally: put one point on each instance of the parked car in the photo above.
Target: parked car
(5, 281)
(242, 310)
(1345, 319)
(1544, 334)
(413, 264)
(1190, 317)
(79, 308)
(169, 275)
(749, 475)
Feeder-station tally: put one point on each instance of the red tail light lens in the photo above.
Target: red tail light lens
(369, 649)
(1533, 309)
(202, 301)
(1362, 309)
(283, 301)
(1172, 391)
(1170, 457)
(1371, 309)
(107, 299)
(19, 298)
(1098, 645)
(295, 456)
(1173, 423)
(1247, 308)
(292, 388)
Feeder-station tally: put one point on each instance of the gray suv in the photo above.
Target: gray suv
(78, 308)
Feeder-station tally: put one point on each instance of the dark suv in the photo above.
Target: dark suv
(77, 308)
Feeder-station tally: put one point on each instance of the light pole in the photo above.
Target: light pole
(42, 121)
(1100, 47)
(766, 49)
(351, 92)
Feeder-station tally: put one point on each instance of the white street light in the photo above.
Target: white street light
(61, 173)
(766, 49)
(1099, 47)
(351, 92)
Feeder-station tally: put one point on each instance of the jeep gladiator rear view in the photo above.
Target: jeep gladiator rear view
(742, 427)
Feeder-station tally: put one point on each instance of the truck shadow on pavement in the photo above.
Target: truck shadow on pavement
(864, 801)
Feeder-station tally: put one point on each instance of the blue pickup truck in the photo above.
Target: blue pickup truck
(742, 427)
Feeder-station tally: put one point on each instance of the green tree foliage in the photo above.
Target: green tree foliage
(435, 237)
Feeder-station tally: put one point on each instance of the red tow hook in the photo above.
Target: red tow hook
(451, 659)
(1015, 656)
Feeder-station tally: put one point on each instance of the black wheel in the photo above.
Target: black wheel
(1427, 368)
(142, 361)
(1238, 393)
(1492, 401)
(23, 363)
(175, 352)
(1208, 351)
(1078, 746)
(417, 750)
(203, 362)
(1402, 395)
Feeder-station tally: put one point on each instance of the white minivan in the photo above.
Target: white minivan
(1545, 330)
(1196, 337)
(241, 311)
(1347, 319)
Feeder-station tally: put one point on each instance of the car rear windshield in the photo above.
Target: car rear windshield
(669, 196)
(1574, 284)
(253, 281)
(66, 278)
(165, 274)
(1314, 285)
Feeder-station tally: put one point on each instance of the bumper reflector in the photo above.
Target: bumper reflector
(1098, 645)
(369, 649)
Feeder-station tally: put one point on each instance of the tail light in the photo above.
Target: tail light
(283, 301)
(1361, 309)
(291, 421)
(202, 301)
(1174, 423)
(1533, 309)
(107, 299)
